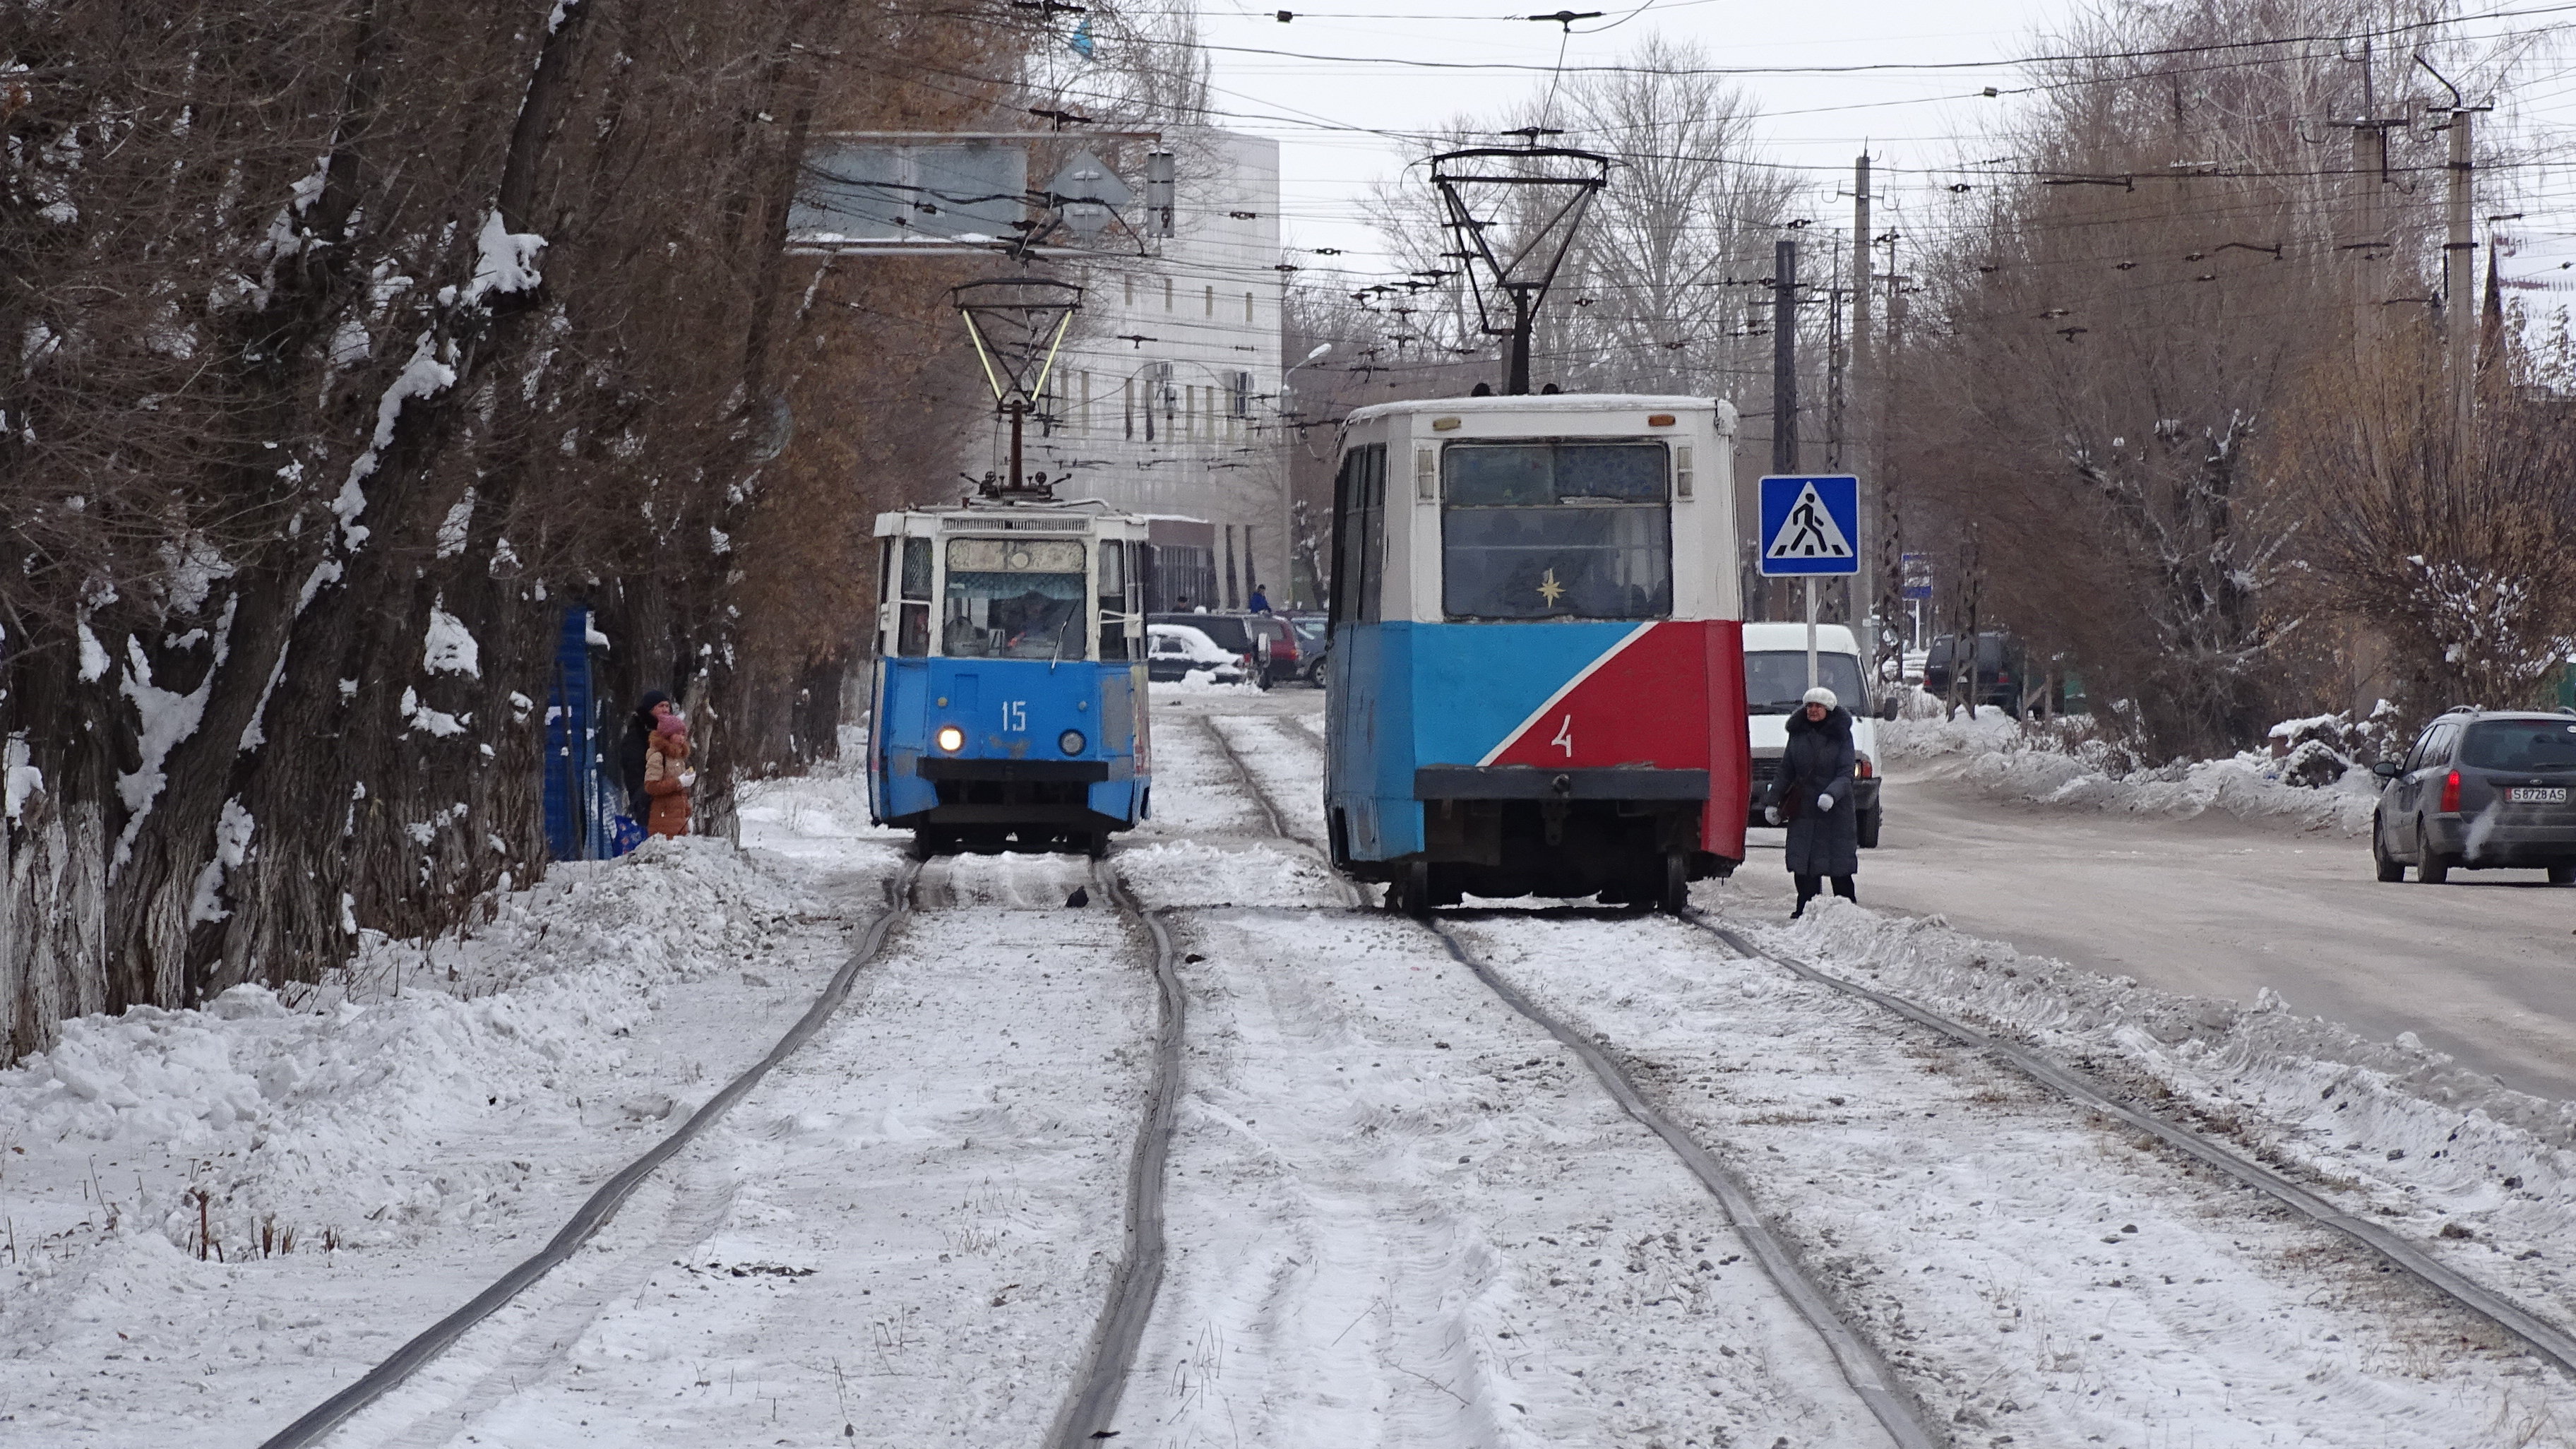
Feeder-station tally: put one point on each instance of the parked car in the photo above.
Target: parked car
(2480, 789)
(1314, 641)
(1265, 642)
(2002, 668)
(1775, 677)
(1175, 650)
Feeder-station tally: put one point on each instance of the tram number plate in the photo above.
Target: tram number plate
(1015, 715)
(2540, 795)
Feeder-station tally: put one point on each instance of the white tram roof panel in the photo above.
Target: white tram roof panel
(1481, 414)
(1073, 515)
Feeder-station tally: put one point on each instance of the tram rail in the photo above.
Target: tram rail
(1861, 1368)
(595, 1211)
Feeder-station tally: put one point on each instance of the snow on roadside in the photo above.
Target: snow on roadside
(2486, 1176)
(2046, 765)
(330, 1170)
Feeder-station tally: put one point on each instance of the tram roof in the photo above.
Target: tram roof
(1062, 513)
(1550, 404)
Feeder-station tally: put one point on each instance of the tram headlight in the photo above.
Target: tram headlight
(1071, 742)
(951, 738)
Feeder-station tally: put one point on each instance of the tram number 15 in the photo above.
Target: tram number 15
(1015, 716)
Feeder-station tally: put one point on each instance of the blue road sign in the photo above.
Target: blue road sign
(1810, 525)
(1918, 576)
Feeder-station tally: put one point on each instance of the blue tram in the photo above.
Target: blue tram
(1009, 704)
(1537, 662)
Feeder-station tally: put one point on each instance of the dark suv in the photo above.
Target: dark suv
(2002, 669)
(1267, 644)
(2480, 788)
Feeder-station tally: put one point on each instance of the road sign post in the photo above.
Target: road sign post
(1809, 522)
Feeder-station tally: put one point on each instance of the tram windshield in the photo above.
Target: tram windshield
(1556, 530)
(1011, 598)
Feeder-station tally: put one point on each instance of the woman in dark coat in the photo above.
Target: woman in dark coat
(1815, 798)
(630, 752)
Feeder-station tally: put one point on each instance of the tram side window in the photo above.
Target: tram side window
(1359, 534)
(1556, 530)
(912, 629)
(1115, 614)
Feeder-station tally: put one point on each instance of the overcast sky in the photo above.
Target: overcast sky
(1915, 123)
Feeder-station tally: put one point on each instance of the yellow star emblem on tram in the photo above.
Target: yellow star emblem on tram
(1549, 589)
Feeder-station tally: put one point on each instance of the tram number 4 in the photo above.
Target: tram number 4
(1015, 715)
(1565, 736)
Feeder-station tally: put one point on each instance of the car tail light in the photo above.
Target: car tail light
(2451, 792)
(1862, 767)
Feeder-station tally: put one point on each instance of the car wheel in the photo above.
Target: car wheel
(2433, 868)
(2389, 870)
(2562, 874)
(1868, 826)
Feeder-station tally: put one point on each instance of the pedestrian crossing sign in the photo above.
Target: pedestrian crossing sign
(1810, 525)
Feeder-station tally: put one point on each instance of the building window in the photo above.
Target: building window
(1130, 407)
(1211, 301)
(1082, 420)
(1247, 306)
(1167, 294)
(1130, 280)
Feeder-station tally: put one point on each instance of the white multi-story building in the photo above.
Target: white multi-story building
(1165, 398)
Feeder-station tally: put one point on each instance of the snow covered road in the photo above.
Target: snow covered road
(2483, 968)
(1398, 1212)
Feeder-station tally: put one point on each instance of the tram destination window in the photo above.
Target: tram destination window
(1011, 598)
(1560, 530)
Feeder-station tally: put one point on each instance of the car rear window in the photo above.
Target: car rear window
(2521, 744)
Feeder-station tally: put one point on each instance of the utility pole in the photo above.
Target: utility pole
(1861, 398)
(2459, 295)
(1784, 357)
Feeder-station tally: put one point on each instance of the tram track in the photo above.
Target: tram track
(1861, 1369)
(596, 1211)
(1098, 1389)
(1104, 1361)
(2548, 1341)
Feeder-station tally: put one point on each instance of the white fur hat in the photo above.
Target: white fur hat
(1823, 696)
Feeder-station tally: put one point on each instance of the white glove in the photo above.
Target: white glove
(1824, 802)
(688, 778)
(1771, 813)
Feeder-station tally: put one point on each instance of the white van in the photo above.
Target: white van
(1775, 676)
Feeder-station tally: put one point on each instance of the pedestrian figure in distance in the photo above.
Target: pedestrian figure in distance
(1813, 798)
(1259, 603)
(632, 750)
(667, 776)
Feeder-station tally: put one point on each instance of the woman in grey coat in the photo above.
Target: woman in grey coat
(1814, 798)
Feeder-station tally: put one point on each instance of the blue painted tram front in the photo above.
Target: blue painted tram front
(1009, 706)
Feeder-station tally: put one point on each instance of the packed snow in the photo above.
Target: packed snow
(1399, 1212)
(2060, 764)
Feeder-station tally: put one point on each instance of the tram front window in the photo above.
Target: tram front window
(1556, 530)
(1011, 598)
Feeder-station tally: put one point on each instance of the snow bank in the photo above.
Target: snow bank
(2394, 1128)
(324, 1110)
(2055, 763)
